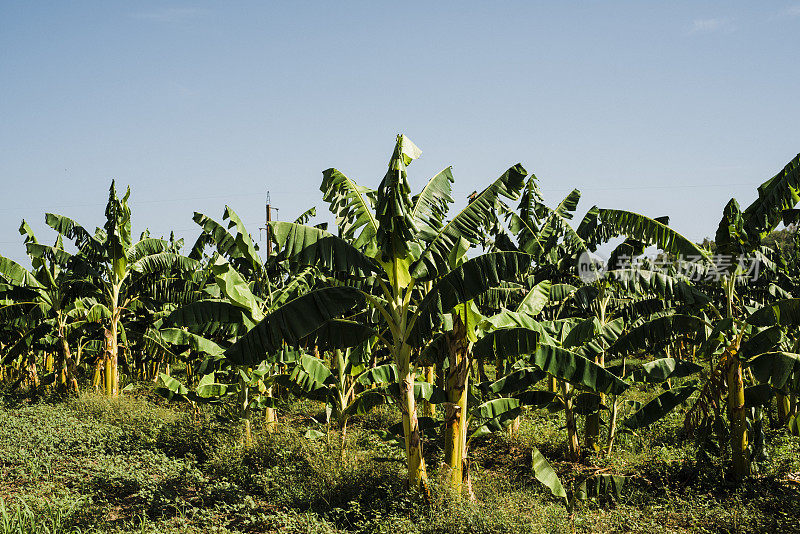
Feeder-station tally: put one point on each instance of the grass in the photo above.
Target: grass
(137, 465)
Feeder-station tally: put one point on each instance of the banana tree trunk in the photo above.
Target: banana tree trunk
(270, 419)
(97, 379)
(110, 360)
(500, 366)
(784, 408)
(244, 407)
(70, 383)
(417, 475)
(552, 384)
(612, 427)
(592, 431)
(33, 375)
(573, 445)
(482, 372)
(513, 428)
(736, 416)
(456, 410)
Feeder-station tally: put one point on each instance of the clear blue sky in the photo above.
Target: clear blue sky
(657, 107)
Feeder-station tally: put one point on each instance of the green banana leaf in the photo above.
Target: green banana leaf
(460, 285)
(545, 474)
(576, 370)
(467, 224)
(308, 245)
(430, 206)
(292, 322)
(659, 407)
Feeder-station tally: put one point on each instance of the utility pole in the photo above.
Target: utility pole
(269, 218)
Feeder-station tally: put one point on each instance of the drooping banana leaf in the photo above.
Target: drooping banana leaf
(658, 332)
(493, 409)
(537, 298)
(171, 389)
(611, 223)
(209, 317)
(513, 382)
(292, 322)
(498, 423)
(784, 313)
(764, 341)
(365, 401)
(536, 398)
(576, 370)
(57, 255)
(339, 334)
(775, 195)
(164, 261)
(146, 247)
(665, 368)
(381, 374)
(72, 230)
(666, 286)
(16, 274)
(317, 370)
(775, 368)
(581, 333)
(307, 245)
(509, 319)
(758, 395)
(659, 407)
(506, 342)
(177, 336)
(236, 289)
(545, 474)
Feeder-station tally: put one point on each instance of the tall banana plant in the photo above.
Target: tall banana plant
(241, 293)
(392, 250)
(733, 336)
(605, 303)
(114, 267)
(738, 241)
(45, 297)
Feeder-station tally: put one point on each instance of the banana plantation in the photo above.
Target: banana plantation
(523, 364)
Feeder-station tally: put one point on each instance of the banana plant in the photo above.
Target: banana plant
(242, 293)
(740, 337)
(606, 303)
(520, 338)
(114, 266)
(392, 250)
(345, 382)
(47, 301)
(739, 237)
